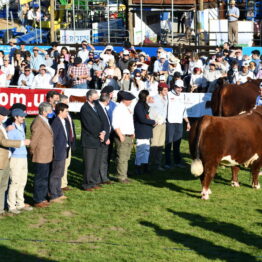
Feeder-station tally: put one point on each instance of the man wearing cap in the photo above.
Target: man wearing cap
(158, 112)
(232, 16)
(161, 65)
(84, 53)
(124, 61)
(18, 165)
(107, 55)
(176, 112)
(5, 154)
(44, 78)
(242, 76)
(79, 73)
(123, 125)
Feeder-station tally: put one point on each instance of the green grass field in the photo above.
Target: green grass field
(158, 217)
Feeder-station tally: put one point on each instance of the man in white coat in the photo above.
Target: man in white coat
(176, 112)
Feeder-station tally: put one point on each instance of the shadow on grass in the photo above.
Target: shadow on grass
(203, 247)
(11, 255)
(220, 180)
(226, 229)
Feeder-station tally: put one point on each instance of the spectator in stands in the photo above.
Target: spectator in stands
(2, 77)
(243, 75)
(152, 84)
(233, 70)
(232, 16)
(18, 59)
(174, 66)
(13, 48)
(221, 64)
(211, 75)
(124, 61)
(49, 62)
(61, 79)
(44, 78)
(174, 126)
(111, 75)
(259, 74)
(37, 59)
(259, 98)
(64, 51)
(59, 62)
(255, 55)
(161, 65)
(2, 55)
(53, 52)
(84, 53)
(8, 69)
(197, 81)
(22, 49)
(143, 58)
(107, 55)
(143, 131)
(79, 74)
(97, 72)
(26, 78)
(5, 144)
(18, 166)
(158, 112)
(194, 61)
(125, 83)
(137, 84)
(253, 68)
(41, 148)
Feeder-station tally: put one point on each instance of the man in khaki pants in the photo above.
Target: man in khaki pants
(123, 125)
(158, 112)
(232, 15)
(5, 143)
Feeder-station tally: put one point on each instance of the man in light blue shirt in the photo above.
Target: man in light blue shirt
(232, 15)
(37, 60)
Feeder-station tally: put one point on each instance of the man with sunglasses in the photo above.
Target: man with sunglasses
(44, 78)
(26, 78)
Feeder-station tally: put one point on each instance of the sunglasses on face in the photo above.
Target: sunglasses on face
(23, 64)
(27, 70)
(35, 50)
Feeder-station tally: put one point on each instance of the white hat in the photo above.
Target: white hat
(232, 2)
(126, 52)
(109, 47)
(179, 83)
(144, 67)
(126, 71)
(245, 63)
(162, 78)
(173, 60)
(162, 55)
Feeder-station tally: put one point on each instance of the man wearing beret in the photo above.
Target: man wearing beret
(123, 124)
(5, 154)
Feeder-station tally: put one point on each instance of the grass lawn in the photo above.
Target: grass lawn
(158, 217)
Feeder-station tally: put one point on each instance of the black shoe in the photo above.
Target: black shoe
(146, 168)
(138, 170)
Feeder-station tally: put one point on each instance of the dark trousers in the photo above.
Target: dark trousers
(57, 172)
(104, 164)
(176, 152)
(92, 160)
(41, 182)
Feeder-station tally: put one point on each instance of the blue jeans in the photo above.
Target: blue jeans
(142, 154)
(81, 86)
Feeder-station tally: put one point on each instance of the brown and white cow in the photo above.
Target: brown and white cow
(231, 99)
(231, 141)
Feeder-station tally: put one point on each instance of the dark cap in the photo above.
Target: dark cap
(219, 55)
(107, 90)
(18, 105)
(54, 44)
(18, 112)
(78, 60)
(4, 111)
(127, 96)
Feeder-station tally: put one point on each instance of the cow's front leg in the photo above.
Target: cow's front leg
(209, 174)
(255, 173)
(234, 181)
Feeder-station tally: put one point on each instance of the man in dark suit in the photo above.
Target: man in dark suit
(101, 107)
(61, 148)
(92, 137)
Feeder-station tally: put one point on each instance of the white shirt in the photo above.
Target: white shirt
(28, 79)
(158, 109)
(193, 64)
(106, 58)
(84, 54)
(42, 81)
(240, 77)
(176, 109)
(8, 70)
(123, 119)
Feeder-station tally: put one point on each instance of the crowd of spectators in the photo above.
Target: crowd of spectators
(130, 70)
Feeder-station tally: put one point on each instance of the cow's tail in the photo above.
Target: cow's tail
(197, 167)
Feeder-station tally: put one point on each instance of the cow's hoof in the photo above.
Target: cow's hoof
(235, 184)
(206, 192)
(205, 197)
(256, 186)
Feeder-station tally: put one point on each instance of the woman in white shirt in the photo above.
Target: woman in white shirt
(137, 85)
(197, 80)
(194, 61)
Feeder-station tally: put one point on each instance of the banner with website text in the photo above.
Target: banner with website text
(195, 102)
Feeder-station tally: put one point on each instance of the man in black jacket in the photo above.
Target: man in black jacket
(92, 137)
